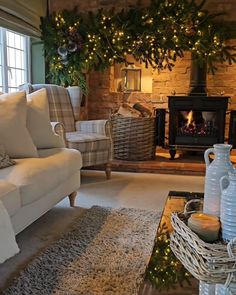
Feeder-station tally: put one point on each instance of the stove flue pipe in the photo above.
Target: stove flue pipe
(198, 78)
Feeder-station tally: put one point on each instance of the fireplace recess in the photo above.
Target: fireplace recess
(196, 122)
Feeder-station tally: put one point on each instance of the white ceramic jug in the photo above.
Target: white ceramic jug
(206, 289)
(228, 206)
(222, 290)
(219, 167)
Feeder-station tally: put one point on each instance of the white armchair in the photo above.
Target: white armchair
(92, 138)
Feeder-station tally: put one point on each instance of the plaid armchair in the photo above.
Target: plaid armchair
(92, 138)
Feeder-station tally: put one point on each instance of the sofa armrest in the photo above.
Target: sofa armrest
(59, 129)
(94, 126)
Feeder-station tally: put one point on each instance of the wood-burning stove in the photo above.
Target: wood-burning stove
(196, 122)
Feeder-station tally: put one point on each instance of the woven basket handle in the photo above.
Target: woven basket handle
(186, 207)
(222, 182)
(206, 155)
(230, 246)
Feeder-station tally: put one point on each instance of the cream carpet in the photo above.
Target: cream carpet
(131, 190)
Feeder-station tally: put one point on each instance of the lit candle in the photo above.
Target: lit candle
(206, 226)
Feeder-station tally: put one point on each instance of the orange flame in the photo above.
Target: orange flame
(189, 118)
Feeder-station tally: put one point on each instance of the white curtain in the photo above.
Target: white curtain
(22, 16)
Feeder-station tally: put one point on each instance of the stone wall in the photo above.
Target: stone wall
(94, 5)
(218, 6)
(102, 101)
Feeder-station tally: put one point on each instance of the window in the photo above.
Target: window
(14, 60)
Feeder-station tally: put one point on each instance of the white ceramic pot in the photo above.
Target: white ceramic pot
(228, 205)
(219, 167)
(222, 290)
(206, 289)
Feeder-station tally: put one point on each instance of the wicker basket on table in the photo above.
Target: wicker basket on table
(209, 262)
(133, 138)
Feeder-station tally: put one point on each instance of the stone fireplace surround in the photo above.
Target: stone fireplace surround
(104, 100)
(101, 101)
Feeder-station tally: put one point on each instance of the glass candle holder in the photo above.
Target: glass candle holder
(206, 226)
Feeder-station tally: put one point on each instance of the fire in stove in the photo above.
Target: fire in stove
(196, 123)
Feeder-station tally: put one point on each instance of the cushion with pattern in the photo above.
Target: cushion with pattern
(5, 160)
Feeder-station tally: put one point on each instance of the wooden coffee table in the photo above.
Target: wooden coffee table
(165, 273)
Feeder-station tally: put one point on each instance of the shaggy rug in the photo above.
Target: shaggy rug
(105, 252)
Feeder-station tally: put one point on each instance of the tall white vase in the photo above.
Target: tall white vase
(228, 206)
(206, 289)
(219, 167)
(222, 290)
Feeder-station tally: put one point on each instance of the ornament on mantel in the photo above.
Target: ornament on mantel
(72, 46)
(62, 51)
(190, 31)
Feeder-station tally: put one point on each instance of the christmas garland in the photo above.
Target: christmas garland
(157, 35)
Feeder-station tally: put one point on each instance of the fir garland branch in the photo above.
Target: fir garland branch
(156, 35)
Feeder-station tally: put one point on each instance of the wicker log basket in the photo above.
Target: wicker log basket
(133, 138)
(211, 263)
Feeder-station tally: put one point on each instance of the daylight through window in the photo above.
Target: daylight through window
(14, 60)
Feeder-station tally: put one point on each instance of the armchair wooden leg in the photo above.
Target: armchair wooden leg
(108, 170)
(72, 198)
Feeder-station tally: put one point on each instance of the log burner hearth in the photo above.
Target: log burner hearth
(196, 122)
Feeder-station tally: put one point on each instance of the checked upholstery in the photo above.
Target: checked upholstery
(92, 138)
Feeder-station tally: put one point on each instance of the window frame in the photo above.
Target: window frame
(5, 66)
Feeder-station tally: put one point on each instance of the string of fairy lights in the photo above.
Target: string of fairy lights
(165, 271)
(157, 36)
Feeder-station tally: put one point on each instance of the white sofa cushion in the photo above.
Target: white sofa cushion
(38, 121)
(37, 176)
(10, 196)
(13, 132)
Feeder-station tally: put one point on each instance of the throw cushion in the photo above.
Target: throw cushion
(38, 121)
(5, 160)
(13, 132)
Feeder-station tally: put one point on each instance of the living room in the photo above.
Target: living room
(113, 105)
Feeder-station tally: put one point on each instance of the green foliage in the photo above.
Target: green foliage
(157, 36)
(165, 271)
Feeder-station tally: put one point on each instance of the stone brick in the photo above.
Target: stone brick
(109, 2)
(163, 77)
